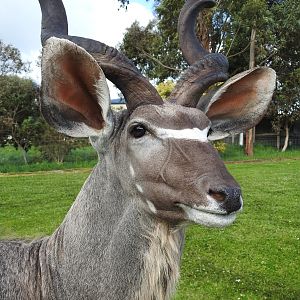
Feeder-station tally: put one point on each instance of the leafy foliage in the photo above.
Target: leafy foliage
(165, 88)
(220, 146)
(146, 47)
(155, 47)
(55, 146)
(11, 61)
(228, 25)
(19, 112)
(285, 108)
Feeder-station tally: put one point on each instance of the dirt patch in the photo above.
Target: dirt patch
(83, 170)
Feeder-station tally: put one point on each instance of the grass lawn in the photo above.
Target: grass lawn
(256, 258)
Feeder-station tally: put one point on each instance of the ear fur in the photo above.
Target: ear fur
(241, 102)
(75, 96)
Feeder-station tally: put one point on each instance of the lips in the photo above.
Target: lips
(208, 216)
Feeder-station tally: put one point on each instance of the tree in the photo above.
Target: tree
(155, 47)
(226, 28)
(146, 48)
(285, 108)
(19, 113)
(11, 61)
(54, 146)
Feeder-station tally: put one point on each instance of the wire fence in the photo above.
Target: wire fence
(270, 140)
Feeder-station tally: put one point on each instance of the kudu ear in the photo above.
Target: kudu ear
(75, 96)
(240, 103)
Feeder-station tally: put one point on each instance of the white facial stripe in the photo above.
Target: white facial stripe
(185, 134)
(151, 206)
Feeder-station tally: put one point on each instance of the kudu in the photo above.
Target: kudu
(157, 171)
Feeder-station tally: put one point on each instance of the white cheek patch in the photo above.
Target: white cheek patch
(151, 206)
(185, 134)
(131, 170)
(140, 189)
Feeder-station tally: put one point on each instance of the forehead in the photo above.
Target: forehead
(170, 116)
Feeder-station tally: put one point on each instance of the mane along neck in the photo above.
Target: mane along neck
(161, 263)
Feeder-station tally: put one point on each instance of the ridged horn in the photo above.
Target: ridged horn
(205, 68)
(136, 89)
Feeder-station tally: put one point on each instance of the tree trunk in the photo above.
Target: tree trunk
(287, 135)
(250, 132)
(241, 139)
(278, 140)
(24, 154)
(249, 142)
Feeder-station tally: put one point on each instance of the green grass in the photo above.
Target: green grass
(259, 256)
(256, 258)
(46, 166)
(34, 205)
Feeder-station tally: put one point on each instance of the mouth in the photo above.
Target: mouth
(208, 217)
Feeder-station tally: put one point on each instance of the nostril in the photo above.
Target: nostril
(233, 199)
(218, 196)
(229, 198)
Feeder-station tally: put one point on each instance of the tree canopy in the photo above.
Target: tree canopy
(11, 61)
(227, 29)
(19, 112)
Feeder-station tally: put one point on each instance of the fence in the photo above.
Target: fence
(269, 139)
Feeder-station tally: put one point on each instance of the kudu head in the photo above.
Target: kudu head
(159, 151)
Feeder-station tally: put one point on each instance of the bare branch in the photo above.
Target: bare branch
(233, 39)
(158, 61)
(242, 51)
(268, 57)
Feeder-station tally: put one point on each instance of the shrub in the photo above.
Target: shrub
(220, 146)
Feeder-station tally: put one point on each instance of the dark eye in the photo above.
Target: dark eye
(138, 131)
(210, 131)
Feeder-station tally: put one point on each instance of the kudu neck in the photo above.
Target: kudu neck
(107, 235)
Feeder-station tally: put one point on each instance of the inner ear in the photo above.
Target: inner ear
(241, 102)
(75, 96)
(238, 97)
(75, 86)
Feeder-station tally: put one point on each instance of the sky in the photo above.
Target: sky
(102, 20)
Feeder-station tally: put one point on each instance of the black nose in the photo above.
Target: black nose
(233, 199)
(230, 198)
